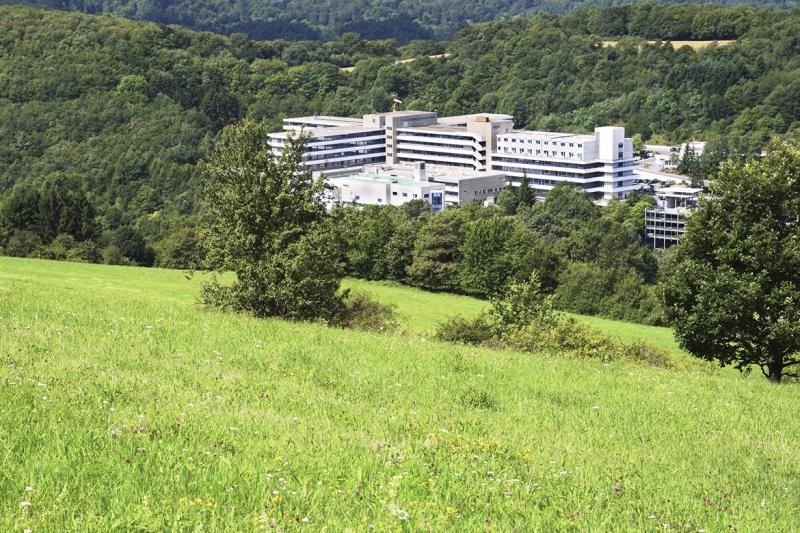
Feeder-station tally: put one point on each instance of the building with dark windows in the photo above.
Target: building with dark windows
(666, 223)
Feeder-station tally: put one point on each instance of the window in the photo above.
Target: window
(619, 155)
(380, 200)
(405, 194)
(416, 195)
(426, 195)
(394, 193)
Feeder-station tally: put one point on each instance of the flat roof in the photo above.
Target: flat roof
(549, 135)
(493, 117)
(324, 132)
(406, 113)
(431, 171)
(324, 118)
(444, 128)
(679, 190)
(382, 178)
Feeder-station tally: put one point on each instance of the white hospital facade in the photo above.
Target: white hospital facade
(482, 148)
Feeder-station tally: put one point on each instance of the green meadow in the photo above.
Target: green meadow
(127, 406)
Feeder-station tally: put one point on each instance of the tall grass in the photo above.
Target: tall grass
(127, 407)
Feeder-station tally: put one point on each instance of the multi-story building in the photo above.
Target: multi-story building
(465, 141)
(331, 147)
(666, 223)
(601, 165)
(376, 186)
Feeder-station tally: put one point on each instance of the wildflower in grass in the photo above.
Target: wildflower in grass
(25, 504)
(449, 510)
(401, 514)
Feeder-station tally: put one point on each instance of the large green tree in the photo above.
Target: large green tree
(265, 221)
(732, 289)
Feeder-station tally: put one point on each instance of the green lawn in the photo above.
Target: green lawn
(127, 407)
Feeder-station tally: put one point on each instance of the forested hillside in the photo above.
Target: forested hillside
(110, 118)
(403, 20)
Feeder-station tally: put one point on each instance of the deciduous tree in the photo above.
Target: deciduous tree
(732, 290)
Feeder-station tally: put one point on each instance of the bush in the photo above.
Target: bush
(22, 243)
(180, 250)
(85, 252)
(479, 330)
(130, 242)
(112, 255)
(566, 336)
(364, 313)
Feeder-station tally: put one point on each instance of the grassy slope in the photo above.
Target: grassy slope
(126, 407)
(420, 311)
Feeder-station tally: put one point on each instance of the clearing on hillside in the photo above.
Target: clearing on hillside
(695, 45)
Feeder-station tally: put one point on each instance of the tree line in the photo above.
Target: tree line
(402, 20)
(592, 260)
(125, 112)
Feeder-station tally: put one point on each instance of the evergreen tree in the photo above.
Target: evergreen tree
(524, 194)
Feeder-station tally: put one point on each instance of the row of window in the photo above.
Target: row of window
(488, 191)
(530, 151)
(539, 142)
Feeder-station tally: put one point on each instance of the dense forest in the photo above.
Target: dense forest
(403, 20)
(104, 122)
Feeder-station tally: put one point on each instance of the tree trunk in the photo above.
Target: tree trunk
(775, 367)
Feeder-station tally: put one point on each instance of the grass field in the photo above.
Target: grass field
(128, 407)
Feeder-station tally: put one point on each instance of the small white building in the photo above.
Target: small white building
(374, 186)
(666, 223)
(461, 185)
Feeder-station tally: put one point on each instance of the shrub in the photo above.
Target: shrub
(524, 302)
(479, 330)
(180, 250)
(22, 243)
(112, 255)
(66, 248)
(364, 313)
(566, 336)
(85, 252)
